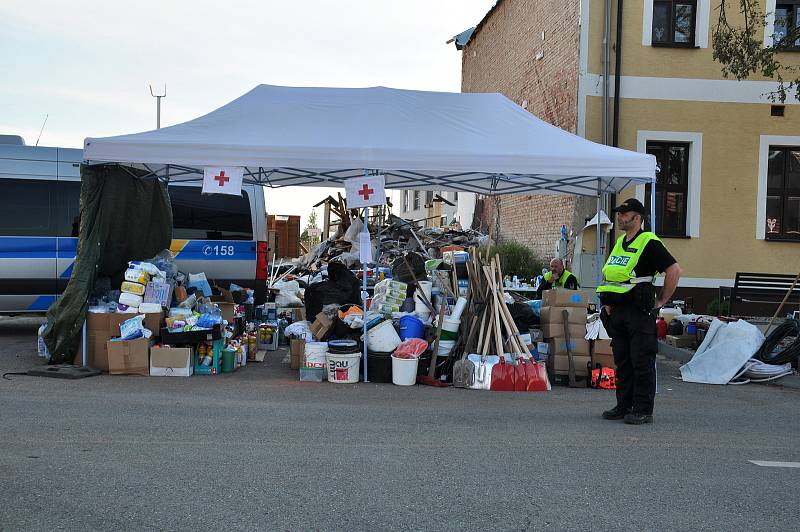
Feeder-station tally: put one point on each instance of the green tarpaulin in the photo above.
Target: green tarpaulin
(123, 217)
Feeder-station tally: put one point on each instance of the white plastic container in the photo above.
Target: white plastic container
(382, 338)
(451, 324)
(314, 355)
(343, 369)
(445, 346)
(461, 305)
(404, 371)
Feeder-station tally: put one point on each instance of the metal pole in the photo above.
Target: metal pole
(84, 361)
(158, 112)
(653, 206)
(364, 295)
(598, 258)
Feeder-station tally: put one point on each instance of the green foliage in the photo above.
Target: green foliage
(740, 49)
(715, 309)
(516, 259)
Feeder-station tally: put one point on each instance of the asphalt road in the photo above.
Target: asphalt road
(257, 450)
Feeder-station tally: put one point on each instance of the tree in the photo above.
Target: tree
(740, 49)
(311, 239)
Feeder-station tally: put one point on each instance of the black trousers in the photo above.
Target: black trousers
(635, 345)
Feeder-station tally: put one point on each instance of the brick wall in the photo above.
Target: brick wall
(507, 54)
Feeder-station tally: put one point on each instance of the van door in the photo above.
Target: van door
(213, 233)
(27, 229)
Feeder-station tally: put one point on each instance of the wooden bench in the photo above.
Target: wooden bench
(762, 291)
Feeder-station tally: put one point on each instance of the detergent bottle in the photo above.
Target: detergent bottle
(661, 327)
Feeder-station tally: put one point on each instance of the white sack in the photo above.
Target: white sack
(723, 353)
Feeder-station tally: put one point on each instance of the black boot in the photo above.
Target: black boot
(635, 418)
(618, 412)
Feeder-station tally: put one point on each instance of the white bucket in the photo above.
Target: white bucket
(426, 287)
(383, 338)
(451, 324)
(404, 371)
(343, 369)
(445, 346)
(314, 355)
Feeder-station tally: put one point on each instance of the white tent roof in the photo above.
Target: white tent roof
(472, 142)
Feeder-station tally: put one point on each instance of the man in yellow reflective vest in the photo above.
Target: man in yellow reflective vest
(557, 277)
(629, 300)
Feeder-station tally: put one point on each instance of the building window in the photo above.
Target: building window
(672, 187)
(787, 20)
(674, 22)
(405, 201)
(428, 198)
(783, 194)
(416, 200)
(455, 196)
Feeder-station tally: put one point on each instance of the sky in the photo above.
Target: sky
(87, 64)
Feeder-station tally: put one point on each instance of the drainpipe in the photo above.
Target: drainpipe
(617, 74)
(606, 65)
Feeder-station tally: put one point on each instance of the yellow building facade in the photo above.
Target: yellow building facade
(729, 188)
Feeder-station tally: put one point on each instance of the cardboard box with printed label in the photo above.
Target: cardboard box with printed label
(575, 315)
(171, 362)
(565, 298)
(578, 346)
(551, 330)
(129, 357)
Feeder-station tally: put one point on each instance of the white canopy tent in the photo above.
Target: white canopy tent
(467, 142)
(306, 136)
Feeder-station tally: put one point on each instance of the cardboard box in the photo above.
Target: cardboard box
(683, 340)
(578, 346)
(171, 362)
(553, 315)
(321, 326)
(551, 330)
(228, 311)
(606, 361)
(297, 349)
(602, 347)
(565, 298)
(129, 357)
(561, 364)
(98, 333)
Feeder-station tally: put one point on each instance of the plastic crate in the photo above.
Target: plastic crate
(216, 364)
(191, 337)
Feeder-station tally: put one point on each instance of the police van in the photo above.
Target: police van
(223, 236)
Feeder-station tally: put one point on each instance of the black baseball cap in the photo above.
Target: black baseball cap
(630, 205)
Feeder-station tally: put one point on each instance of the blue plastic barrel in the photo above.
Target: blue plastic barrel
(411, 327)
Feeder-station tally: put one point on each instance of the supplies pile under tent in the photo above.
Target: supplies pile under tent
(382, 300)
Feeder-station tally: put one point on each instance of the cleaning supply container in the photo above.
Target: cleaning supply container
(404, 371)
(411, 327)
(343, 361)
(445, 346)
(382, 337)
(228, 360)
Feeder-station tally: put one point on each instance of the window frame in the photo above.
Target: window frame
(668, 188)
(417, 203)
(693, 43)
(784, 192)
(796, 12)
(405, 201)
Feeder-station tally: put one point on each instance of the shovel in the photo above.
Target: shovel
(572, 381)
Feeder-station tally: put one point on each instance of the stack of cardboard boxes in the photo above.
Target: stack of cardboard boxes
(575, 302)
(602, 354)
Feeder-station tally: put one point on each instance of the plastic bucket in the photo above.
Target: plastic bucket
(379, 367)
(383, 338)
(445, 346)
(450, 328)
(343, 368)
(404, 371)
(314, 355)
(411, 327)
(228, 360)
(343, 347)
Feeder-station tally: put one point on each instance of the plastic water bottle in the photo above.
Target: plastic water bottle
(563, 232)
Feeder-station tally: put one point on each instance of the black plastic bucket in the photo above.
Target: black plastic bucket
(379, 367)
(343, 347)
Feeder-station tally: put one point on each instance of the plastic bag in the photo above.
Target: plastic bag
(147, 267)
(133, 328)
(287, 297)
(41, 347)
(207, 320)
(164, 261)
(411, 348)
(300, 329)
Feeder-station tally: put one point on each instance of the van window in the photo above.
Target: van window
(209, 217)
(68, 202)
(27, 208)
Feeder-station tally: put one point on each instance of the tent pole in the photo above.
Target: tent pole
(598, 258)
(653, 206)
(364, 295)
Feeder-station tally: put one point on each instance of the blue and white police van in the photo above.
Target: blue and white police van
(223, 236)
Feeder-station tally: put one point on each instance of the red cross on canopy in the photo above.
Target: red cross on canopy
(222, 178)
(366, 192)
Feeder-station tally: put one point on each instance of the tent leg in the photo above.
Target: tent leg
(598, 257)
(83, 345)
(364, 295)
(653, 206)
